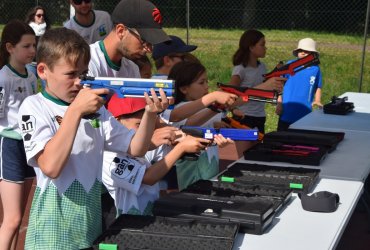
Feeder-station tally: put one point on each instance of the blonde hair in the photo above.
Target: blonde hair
(62, 43)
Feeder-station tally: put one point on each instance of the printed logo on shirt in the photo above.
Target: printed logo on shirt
(58, 119)
(2, 92)
(20, 89)
(102, 30)
(125, 168)
(28, 128)
(312, 80)
(95, 123)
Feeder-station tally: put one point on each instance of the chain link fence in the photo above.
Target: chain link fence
(340, 16)
(332, 16)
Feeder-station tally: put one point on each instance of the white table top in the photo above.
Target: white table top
(342, 172)
(354, 121)
(295, 228)
(360, 100)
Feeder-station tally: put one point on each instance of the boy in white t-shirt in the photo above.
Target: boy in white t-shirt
(133, 181)
(65, 130)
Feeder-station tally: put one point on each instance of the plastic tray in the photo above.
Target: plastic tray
(253, 214)
(241, 191)
(150, 232)
(273, 177)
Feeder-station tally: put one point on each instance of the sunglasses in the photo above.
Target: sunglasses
(39, 15)
(78, 2)
(144, 43)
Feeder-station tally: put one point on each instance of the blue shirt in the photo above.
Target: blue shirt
(298, 93)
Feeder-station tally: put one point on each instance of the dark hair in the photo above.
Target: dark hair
(248, 39)
(12, 33)
(30, 17)
(184, 74)
(186, 57)
(62, 43)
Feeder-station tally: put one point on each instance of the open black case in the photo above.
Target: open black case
(248, 194)
(296, 146)
(150, 232)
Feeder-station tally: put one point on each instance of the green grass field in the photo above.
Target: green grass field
(340, 57)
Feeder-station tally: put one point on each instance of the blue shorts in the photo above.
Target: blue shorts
(13, 162)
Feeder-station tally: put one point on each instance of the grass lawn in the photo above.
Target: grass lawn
(340, 57)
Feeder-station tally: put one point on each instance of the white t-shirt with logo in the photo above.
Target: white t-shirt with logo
(123, 176)
(97, 31)
(14, 88)
(101, 66)
(68, 203)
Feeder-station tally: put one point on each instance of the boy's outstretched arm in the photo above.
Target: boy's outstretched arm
(56, 152)
(188, 145)
(190, 108)
(141, 141)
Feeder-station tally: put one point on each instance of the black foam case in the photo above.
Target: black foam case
(155, 232)
(254, 214)
(275, 146)
(273, 177)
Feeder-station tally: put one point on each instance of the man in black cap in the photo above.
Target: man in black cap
(136, 28)
(167, 54)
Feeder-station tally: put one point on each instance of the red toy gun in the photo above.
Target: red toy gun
(293, 67)
(247, 94)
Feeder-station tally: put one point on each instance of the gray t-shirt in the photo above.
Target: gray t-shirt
(251, 77)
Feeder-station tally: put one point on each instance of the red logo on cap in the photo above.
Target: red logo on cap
(157, 16)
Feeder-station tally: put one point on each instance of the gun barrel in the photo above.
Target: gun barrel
(259, 95)
(233, 134)
(295, 66)
(130, 87)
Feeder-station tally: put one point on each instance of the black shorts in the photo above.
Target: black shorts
(13, 162)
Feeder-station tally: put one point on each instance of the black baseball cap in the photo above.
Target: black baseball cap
(143, 16)
(175, 45)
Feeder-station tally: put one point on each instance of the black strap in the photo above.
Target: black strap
(322, 201)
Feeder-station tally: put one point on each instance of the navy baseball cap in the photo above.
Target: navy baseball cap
(143, 16)
(175, 45)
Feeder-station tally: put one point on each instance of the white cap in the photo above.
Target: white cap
(307, 44)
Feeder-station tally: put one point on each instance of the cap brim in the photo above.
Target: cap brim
(187, 48)
(153, 36)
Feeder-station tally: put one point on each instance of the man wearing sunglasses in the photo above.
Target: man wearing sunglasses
(92, 25)
(137, 27)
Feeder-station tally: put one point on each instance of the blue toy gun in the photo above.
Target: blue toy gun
(130, 87)
(208, 133)
(232, 133)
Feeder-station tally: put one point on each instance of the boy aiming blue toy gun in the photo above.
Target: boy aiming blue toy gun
(294, 67)
(130, 87)
(209, 133)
